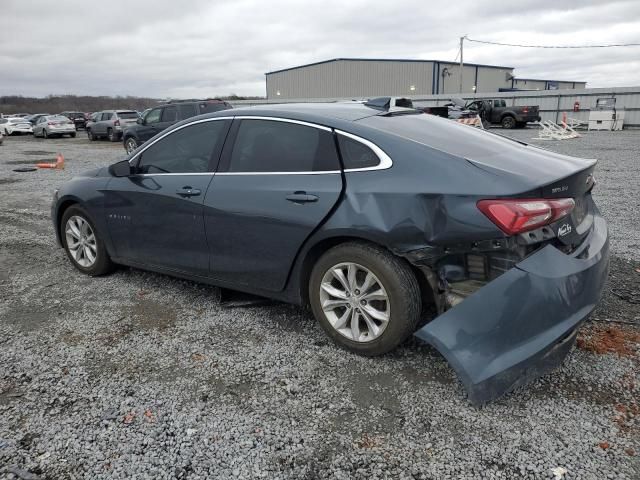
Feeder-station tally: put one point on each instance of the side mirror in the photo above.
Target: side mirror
(140, 121)
(121, 169)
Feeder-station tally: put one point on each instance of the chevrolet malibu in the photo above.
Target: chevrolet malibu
(371, 215)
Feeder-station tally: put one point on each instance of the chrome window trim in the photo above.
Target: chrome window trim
(385, 160)
(173, 131)
(285, 120)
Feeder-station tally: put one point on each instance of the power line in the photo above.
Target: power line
(554, 46)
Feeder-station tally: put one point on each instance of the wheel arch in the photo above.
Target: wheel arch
(318, 248)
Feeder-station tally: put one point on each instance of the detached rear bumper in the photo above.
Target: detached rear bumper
(522, 324)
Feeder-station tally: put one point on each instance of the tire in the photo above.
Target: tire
(6, 132)
(72, 135)
(91, 136)
(44, 133)
(101, 263)
(392, 279)
(111, 135)
(508, 122)
(130, 144)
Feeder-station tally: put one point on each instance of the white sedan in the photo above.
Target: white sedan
(54, 126)
(11, 125)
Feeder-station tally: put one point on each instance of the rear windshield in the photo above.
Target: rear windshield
(17, 120)
(58, 118)
(126, 115)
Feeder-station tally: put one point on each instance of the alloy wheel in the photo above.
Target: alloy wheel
(354, 302)
(131, 145)
(81, 241)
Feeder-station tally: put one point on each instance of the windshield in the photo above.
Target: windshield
(128, 115)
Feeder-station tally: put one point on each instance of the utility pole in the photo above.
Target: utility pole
(461, 62)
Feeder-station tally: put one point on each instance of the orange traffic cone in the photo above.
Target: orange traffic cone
(60, 162)
(58, 165)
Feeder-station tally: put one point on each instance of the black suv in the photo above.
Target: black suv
(78, 118)
(157, 119)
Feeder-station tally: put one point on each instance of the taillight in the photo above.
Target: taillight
(50, 124)
(521, 215)
(116, 123)
(525, 109)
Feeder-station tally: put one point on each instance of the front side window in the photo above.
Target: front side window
(169, 114)
(153, 116)
(274, 146)
(187, 150)
(355, 154)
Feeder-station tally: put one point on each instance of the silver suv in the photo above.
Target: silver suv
(110, 124)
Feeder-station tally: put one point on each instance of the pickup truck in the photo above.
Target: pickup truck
(497, 111)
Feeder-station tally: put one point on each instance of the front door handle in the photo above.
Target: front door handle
(301, 197)
(188, 192)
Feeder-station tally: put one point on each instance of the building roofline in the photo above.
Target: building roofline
(386, 60)
(545, 80)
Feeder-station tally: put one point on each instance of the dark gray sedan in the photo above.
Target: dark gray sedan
(376, 217)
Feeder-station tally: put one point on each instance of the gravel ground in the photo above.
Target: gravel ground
(138, 375)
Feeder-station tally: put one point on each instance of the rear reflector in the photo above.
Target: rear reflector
(521, 215)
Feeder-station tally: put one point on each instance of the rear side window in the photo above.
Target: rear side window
(187, 111)
(213, 107)
(273, 146)
(170, 114)
(187, 150)
(356, 154)
(106, 116)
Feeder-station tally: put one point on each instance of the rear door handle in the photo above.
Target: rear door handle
(301, 197)
(188, 192)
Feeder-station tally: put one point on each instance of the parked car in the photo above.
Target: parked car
(110, 124)
(369, 215)
(50, 126)
(1, 138)
(11, 125)
(159, 118)
(77, 118)
(33, 119)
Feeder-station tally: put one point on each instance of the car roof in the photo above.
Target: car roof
(349, 111)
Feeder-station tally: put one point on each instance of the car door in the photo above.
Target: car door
(150, 124)
(155, 215)
(278, 180)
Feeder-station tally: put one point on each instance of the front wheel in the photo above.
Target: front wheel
(72, 135)
(91, 135)
(366, 299)
(130, 144)
(44, 133)
(83, 245)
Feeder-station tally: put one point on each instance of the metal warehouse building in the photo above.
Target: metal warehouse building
(364, 77)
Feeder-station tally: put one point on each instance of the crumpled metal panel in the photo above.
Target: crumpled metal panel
(523, 323)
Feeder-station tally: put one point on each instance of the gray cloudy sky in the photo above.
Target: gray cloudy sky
(196, 48)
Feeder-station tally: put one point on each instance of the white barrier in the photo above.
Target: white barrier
(552, 131)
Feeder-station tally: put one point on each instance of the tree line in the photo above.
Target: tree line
(60, 103)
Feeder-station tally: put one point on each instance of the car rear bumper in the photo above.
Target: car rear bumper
(522, 324)
(66, 130)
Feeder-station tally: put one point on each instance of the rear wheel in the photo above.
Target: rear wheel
(508, 122)
(83, 245)
(111, 135)
(72, 135)
(366, 299)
